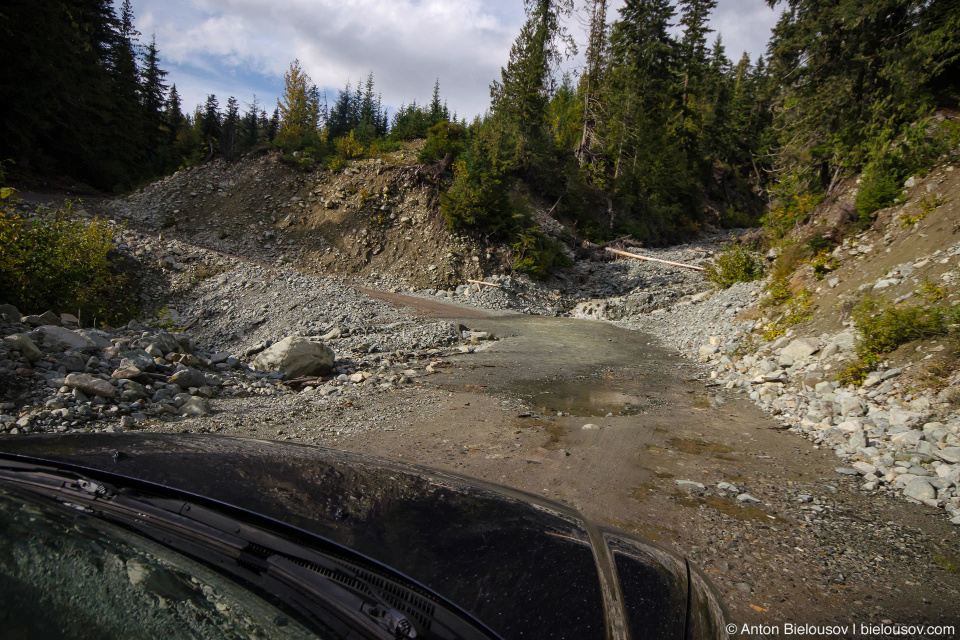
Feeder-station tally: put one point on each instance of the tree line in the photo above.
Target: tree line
(660, 134)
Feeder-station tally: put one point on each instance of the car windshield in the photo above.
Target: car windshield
(66, 574)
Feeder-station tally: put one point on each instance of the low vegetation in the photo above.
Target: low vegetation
(883, 327)
(53, 260)
(732, 265)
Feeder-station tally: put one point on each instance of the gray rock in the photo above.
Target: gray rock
(163, 341)
(746, 497)
(73, 362)
(11, 312)
(899, 417)
(24, 345)
(851, 407)
(65, 339)
(188, 377)
(295, 357)
(920, 489)
(949, 454)
(801, 348)
(690, 484)
(90, 385)
(140, 359)
(97, 337)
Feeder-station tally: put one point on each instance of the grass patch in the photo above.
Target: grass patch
(926, 204)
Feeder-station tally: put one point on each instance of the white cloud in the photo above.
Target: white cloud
(236, 47)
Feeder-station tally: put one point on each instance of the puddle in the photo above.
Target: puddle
(728, 507)
(555, 432)
(648, 531)
(585, 398)
(698, 447)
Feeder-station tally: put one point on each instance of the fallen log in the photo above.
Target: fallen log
(489, 284)
(639, 257)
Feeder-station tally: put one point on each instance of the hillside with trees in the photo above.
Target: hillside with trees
(659, 136)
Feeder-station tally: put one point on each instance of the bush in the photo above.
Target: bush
(52, 261)
(442, 138)
(879, 188)
(734, 264)
(536, 254)
(882, 328)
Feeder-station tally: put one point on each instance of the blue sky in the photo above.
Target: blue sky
(243, 47)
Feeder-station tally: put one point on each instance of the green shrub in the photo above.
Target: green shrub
(879, 188)
(536, 254)
(53, 261)
(442, 138)
(882, 328)
(734, 264)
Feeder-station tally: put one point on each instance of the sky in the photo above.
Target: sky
(242, 48)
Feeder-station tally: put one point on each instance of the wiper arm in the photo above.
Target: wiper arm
(315, 582)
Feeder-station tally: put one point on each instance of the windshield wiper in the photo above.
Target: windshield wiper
(336, 590)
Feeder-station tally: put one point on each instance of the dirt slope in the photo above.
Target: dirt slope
(378, 220)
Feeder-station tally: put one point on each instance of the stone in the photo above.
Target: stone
(746, 497)
(948, 454)
(726, 486)
(899, 417)
(163, 341)
(188, 377)
(140, 359)
(69, 319)
(127, 370)
(851, 407)
(49, 317)
(73, 362)
(708, 350)
(196, 406)
(801, 348)
(864, 468)
(63, 338)
(97, 337)
(90, 385)
(11, 312)
(295, 357)
(920, 489)
(24, 345)
(907, 438)
(690, 484)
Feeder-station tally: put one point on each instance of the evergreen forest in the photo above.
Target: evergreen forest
(659, 134)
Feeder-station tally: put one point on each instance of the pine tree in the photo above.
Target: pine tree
(211, 126)
(299, 109)
(342, 118)
(231, 123)
(525, 84)
(152, 90)
(436, 107)
(592, 78)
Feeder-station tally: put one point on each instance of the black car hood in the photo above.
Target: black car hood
(526, 567)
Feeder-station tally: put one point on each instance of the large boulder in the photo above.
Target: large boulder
(801, 348)
(91, 385)
(188, 377)
(295, 357)
(66, 339)
(25, 346)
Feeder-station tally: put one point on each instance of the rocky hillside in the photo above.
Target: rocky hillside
(378, 220)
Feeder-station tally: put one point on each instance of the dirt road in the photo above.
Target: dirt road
(811, 549)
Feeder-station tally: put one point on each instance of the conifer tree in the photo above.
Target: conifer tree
(299, 109)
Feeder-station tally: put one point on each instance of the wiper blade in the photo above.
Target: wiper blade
(336, 590)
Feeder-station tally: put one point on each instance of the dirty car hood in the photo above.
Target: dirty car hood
(524, 566)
